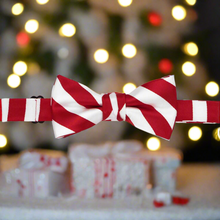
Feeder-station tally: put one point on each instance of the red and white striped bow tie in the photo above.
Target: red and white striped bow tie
(152, 107)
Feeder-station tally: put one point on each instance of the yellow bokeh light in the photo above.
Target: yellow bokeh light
(195, 133)
(124, 3)
(179, 12)
(216, 134)
(212, 89)
(191, 49)
(129, 50)
(33, 68)
(42, 2)
(3, 141)
(31, 26)
(101, 56)
(153, 144)
(188, 68)
(17, 9)
(13, 80)
(20, 68)
(191, 2)
(67, 30)
(129, 87)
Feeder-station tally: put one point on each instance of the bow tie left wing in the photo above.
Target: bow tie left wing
(155, 107)
(75, 107)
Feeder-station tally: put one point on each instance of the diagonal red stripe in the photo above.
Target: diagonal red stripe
(164, 89)
(106, 106)
(16, 111)
(156, 120)
(82, 96)
(68, 119)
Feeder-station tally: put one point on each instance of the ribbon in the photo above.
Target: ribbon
(152, 107)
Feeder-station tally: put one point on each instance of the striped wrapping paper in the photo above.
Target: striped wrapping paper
(108, 177)
(35, 175)
(97, 171)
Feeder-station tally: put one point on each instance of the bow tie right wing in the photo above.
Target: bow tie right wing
(152, 107)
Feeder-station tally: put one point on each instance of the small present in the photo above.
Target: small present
(164, 164)
(36, 175)
(108, 170)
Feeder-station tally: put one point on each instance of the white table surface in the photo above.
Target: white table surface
(201, 182)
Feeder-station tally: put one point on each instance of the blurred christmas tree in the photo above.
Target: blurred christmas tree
(105, 45)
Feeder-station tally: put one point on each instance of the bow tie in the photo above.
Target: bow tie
(151, 107)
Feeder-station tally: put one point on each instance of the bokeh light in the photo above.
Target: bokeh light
(3, 141)
(155, 19)
(42, 2)
(17, 9)
(20, 68)
(188, 68)
(124, 3)
(191, 2)
(212, 89)
(129, 50)
(195, 133)
(13, 81)
(216, 134)
(63, 53)
(165, 66)
(33, 68)
(67, 30)
(129, 87)
(31, 26)
(153, 144)
(22, 38)
(101, 56)
(179, 12)
(190, 49)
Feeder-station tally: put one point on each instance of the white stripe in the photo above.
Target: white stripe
(37, 112)
(123, 112)
(30, 110)
(139, 120)
(5, 108)
(60, 130)
(161, 105)
(69, 103)
(199, 111)
(170, 79)
(114, 103)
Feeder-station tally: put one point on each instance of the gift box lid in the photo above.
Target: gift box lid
(107, 149)
(36, 159)
(165, 157)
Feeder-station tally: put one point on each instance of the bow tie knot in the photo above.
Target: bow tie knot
(114, 106)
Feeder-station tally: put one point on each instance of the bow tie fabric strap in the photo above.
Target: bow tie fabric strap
(152, 107)
(29, 110)
(188, 111)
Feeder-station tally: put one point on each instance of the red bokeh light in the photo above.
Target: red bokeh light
(165, 66)
(22, 39)
(155, 19)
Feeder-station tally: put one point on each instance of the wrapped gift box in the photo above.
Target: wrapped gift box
(164, 164)
(38, 174)
(108, 170)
